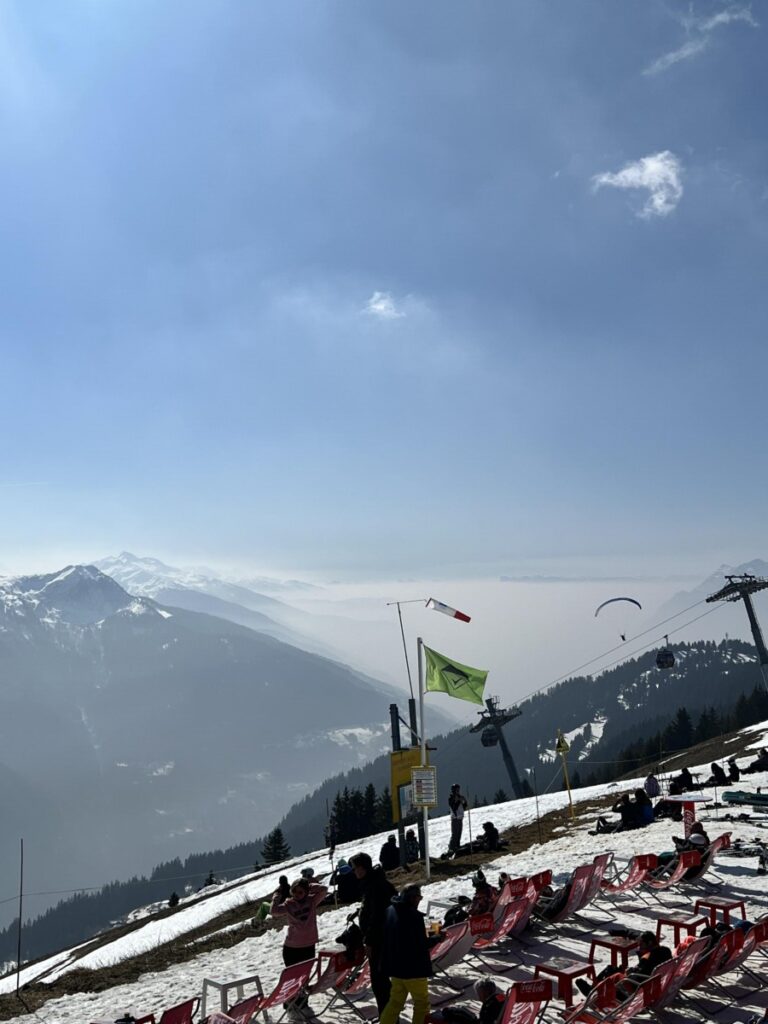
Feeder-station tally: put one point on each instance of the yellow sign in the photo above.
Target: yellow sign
(563, 746)
(401, 763)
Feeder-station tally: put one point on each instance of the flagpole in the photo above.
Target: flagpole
(425, 810)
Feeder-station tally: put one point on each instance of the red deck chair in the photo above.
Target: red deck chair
(600, 866)
(332, 976)
(453, 948)
(526, 1002)
(579, 881)
(244, 1011)
(687, 860)
(359, 986)
(515, 918)
(711, 963)
(181, 1014)
(683, 965)
(595, 1011)
(637, 872)
(722, 842)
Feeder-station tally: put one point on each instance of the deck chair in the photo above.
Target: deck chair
(332, 976)
(359, 986)
(722, 842)
(682, 967)
(515, 918)
(637, 872)
(687, 860)
(600, 866)
(578, 886)
(181, 1014)
(244, 1011)
(596, 1010)
(526, 1002)
(453, 948)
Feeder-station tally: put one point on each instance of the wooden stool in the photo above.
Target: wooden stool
(679, 921)
(714, 903)
(565, 970)
(619, 945)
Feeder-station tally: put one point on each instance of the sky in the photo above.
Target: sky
(363, 290)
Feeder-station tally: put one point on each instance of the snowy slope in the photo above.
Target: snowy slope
(262, 953)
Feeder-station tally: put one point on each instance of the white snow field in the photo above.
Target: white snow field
(261, 954)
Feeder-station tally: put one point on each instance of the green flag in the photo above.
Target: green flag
(454, 679)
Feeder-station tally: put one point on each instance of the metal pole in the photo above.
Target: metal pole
(21, 907)
(413, 723)
(405, 649)
(425, 810)
(536, 798)
(514, 778)
(469, 822)
(757, 636)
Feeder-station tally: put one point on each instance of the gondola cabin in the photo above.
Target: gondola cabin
(489, 737)
(665, 658)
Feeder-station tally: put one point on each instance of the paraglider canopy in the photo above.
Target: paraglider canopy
(612, 600)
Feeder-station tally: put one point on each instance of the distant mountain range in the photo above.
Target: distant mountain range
(132, 731)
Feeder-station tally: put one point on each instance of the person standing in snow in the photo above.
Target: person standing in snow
(301, 935)
(406, 956)
(458, 805)
(377, 893)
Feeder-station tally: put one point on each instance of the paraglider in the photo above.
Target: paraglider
(614, 600)
(611, 600)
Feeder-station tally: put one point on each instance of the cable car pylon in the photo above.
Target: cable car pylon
(490, 725)
(741, 588)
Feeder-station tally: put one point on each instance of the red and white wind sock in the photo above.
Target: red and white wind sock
(438, 606)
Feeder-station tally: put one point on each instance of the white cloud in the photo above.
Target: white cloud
(685, 52)
(382, 305)
(660, 174)
(700, 30)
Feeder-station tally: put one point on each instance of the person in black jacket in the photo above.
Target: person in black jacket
(389, 855)
(649, 956)
(377, 893)
(406, 956)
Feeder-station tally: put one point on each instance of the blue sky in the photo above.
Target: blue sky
(361, 289)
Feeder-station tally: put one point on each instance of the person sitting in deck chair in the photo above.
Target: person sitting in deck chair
(484, 899)
(551, 901)
(649, 955)
(492, 1001)
(698, 840)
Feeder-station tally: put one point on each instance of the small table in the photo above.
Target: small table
(619, 945)
(714, 903)
(679, 921)
(689, 801)
(565, 970)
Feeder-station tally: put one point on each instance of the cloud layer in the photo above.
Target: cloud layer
(659, 174)
(382, 305)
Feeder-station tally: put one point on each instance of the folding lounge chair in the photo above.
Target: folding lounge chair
(687, 860)
(289, 985)
(600, 1008)
(683, 964)
(637, 872)
(722, 842)
(332, 976)
(526, 1002)
(515, 918)
(181, 1014)
(710, 964)
(360, 985)
(579, 882)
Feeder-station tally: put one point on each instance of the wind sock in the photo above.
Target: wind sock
(438, 606)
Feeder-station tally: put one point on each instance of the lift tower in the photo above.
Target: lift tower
(491, 722)
(741, 588)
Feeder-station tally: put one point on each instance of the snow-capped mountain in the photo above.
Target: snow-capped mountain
(201, 592)
(135, 731)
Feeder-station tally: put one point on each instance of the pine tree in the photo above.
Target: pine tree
(499, 797)
(275, 848)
